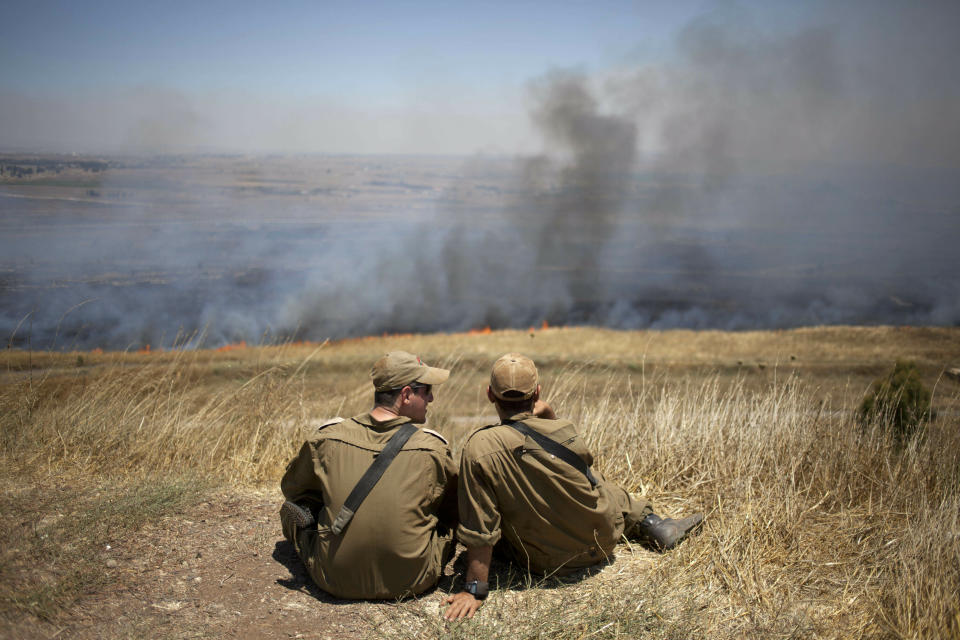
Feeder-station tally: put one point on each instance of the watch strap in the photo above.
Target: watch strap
(477, 589)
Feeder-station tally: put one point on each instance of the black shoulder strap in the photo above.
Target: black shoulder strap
(553, 447)
(372, 476)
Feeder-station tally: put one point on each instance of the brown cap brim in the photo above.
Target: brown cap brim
(397, 369)
(433, 375)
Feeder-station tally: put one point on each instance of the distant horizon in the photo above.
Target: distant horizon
(229, 153)
(648, 165)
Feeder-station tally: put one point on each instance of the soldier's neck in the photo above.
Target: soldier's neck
(383, 414)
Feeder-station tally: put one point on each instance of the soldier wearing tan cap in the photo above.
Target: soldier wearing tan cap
(544, 506)
(401, 535)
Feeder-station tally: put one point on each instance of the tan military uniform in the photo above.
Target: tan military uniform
(543, 507)
(392, 547)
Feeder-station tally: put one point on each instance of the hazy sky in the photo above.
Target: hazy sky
(395, 77)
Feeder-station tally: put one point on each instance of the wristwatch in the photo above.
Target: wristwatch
(477, 589)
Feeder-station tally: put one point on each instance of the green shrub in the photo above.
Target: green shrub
(898, 399)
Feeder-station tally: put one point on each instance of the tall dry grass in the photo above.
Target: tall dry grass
(150, 418)
(815, 526)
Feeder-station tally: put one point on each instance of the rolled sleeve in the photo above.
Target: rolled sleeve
(479, 513)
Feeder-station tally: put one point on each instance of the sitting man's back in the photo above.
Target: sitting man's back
(399, 538)
(527, 487)
(546, 513)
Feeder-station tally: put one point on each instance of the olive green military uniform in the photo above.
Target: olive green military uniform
(393, 546)
(545, 509)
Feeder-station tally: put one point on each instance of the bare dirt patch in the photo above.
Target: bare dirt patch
(221, 568)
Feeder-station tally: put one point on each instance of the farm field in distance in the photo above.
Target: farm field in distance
(139, 491)
(118, 251)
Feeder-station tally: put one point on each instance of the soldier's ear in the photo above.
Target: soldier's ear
(492, 398)
(536, 394)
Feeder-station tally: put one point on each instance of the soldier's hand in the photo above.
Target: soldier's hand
(542, 410)
(462, 605)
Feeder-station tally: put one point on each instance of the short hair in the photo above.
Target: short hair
(386, 398)
(519, 405)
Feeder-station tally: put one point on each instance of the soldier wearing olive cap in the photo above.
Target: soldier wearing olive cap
(401, 536)
(527, 487)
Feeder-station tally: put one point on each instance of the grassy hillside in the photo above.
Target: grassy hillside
(815, 526)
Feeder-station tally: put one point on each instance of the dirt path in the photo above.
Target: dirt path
(221, 569)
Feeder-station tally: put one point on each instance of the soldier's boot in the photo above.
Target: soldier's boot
(293, 518)
(666, 533)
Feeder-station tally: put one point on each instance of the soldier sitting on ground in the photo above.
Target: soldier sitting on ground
(526, 487)
(361, 536)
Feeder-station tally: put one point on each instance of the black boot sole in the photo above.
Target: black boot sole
(300, 517)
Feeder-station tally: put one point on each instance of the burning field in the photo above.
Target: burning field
(215, 250)
(745, 177)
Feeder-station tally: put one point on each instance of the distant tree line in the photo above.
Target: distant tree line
(23, 167)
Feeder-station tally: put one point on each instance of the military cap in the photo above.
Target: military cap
(514, 377)
(397, 369)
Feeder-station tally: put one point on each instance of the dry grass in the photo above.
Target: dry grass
(815, 526)
(55, 531)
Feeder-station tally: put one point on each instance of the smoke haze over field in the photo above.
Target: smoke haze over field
(755, 178)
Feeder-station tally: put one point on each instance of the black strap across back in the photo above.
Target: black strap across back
(371, 476)
(553, 447)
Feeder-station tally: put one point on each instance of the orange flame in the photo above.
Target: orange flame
(480, 332)
(144, 349)
(236, 345)
(545, 325)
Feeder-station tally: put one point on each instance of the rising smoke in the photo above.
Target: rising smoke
(749, 181)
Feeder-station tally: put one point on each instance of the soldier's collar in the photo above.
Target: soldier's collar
(368, 421)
